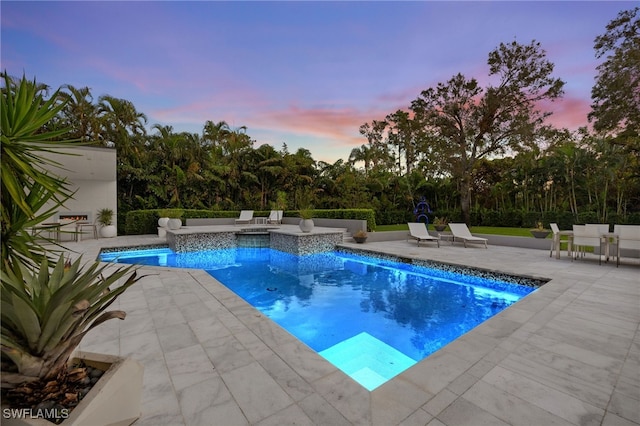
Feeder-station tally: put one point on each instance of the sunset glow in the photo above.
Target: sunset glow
(307, 74)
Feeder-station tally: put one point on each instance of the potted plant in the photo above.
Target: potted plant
(48, 304)
(306, 219)
(360, 236)
(440, 223)
(539, 231)
(174, 219)
(105, 219)
(163, 220)
(44, 318)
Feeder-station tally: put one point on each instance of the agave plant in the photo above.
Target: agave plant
(46, 313)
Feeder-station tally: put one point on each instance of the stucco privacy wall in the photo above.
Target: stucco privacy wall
(92, 173)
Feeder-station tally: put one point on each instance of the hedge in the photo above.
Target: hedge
(140, 222)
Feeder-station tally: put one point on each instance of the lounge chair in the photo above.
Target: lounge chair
(418, 231)
(275, 217)
(246, 216)
(460, 231)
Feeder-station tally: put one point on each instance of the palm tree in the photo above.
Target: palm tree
(80, 113)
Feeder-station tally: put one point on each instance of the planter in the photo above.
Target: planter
(108, 231)
(540, 234)
(306, 225)
(440, 228)
(163, 221)
(360, 240)
(114, 399)
(174, 224)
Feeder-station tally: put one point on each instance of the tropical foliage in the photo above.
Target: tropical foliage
(46, 313)
(47, 305)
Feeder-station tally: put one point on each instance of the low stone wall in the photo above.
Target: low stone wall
(181, 243)
(351, 225)
(305, 243)
(210, 221)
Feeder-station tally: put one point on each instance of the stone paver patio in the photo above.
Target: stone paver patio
(568, 354)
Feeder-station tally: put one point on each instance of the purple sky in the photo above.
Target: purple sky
(307, 74)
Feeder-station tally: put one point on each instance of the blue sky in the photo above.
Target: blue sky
(307, 74)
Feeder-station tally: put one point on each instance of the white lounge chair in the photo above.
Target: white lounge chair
(275, 217)
(460, 231)
(419, 232)
(246, 216)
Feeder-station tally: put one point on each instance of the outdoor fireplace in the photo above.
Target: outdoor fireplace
(74, 216)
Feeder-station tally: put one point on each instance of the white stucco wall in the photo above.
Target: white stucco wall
(92, 173)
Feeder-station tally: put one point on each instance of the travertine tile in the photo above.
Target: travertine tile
(463, 413)
(188, 366)
(545, 397)
(257, 394)
(321, 412)
(209, 402)
(292, 415)
(510, 408)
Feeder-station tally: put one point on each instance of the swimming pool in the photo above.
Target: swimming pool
(372, 318)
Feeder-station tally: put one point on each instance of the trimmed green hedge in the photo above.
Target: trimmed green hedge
(507, 218)
(360, 214)
(140, 222)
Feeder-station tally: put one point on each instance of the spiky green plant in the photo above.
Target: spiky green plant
(30, 193)
(105, 217)
(46, 313)
(46, 309)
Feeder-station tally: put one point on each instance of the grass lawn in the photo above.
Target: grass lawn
(516, 232)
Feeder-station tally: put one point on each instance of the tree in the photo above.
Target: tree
(465, 123)
(80, 113)
(616, 94)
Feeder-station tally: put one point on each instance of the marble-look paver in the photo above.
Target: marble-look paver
(567, 354)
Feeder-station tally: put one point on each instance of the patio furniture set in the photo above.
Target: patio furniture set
(623, 237)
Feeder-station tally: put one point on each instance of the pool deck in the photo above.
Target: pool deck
(568, 354)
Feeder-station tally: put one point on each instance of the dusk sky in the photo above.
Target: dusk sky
(307, 74)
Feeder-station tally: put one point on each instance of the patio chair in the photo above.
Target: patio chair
(275, 217)
(586, 236)
(92, 226)
(627, 237)
(246, 216)
(556, 242)
(419, 232)
(460, 231)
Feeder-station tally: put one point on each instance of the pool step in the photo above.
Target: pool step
(367, 360)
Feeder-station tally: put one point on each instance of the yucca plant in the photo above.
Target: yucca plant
(30, 193)
(46, 313)
(47, 305)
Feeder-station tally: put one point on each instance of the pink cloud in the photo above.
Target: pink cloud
(569, 112)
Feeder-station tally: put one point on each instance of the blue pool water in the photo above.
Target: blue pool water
(370, 317)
